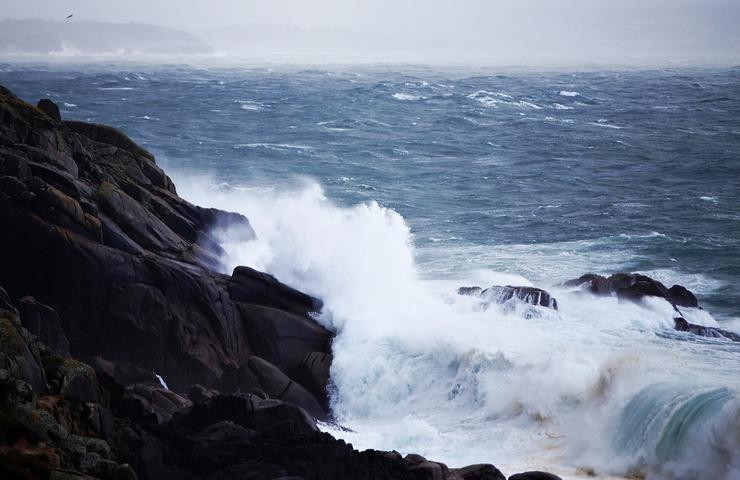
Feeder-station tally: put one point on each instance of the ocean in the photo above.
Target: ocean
(383, 189)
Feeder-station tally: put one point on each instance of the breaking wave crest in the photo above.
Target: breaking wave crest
(597, 384)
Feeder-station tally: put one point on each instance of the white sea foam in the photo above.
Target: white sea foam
(604, 124)
(418, 368)
(495, 99)
(560, 106)
(406, 96)
(161, 381)
(273, 146)
(250, 105)
(566, 93)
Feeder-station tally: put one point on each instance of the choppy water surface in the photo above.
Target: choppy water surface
(384, 189)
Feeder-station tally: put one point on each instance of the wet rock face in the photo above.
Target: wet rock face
(502, 294)
(684, 326)
(101, 238)
(634, 287)
(682, 297)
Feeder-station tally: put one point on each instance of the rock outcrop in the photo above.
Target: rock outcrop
(682, 325)
(64, 419)
(634, 287)
(97, 234)
(502, 294)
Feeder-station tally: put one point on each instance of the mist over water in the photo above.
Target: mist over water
(534, 33)
(382, 191)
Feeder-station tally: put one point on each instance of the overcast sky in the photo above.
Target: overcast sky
(577, 30)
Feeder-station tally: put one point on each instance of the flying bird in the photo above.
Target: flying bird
(70, 15)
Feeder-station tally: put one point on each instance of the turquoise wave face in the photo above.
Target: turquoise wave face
(664, 422)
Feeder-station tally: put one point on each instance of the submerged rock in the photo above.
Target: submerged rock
(684, 326)
(634, 287)
(502, 294)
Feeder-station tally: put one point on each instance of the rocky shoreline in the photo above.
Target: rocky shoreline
(124, 353)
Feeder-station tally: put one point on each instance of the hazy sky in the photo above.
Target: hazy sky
(579, 30)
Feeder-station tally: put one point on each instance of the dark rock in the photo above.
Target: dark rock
(109, 135)
(136, 221)
(596, 284)
(88, 462)
(313, 372)
(634, 287)
(251, 286)
(15, 189)
(105, 468)
(71, 378)
(534, 476)
(17, 353)
(200, 394)
(429, 471)
(477, 472)
(247, 411)
(682, 297)
(144, 400)
(50, 108)
(281, 337)
(502, 294)
(125, 261)
(643, 287)
(278, 385)
(68, 475)
(684, 326)
(42, 321)
(59, 179)
(531, 295)
(469, 291)
(125, 373)
(25, 464)
(123, 472)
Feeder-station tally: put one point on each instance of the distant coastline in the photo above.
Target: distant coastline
(47, 37)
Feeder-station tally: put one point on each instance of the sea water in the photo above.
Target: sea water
(384, 189)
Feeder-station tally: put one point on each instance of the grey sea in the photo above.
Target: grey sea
(384, 189)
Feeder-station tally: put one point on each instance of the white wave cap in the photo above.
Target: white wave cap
(418, 368)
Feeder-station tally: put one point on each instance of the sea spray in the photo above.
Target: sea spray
(418, 368)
